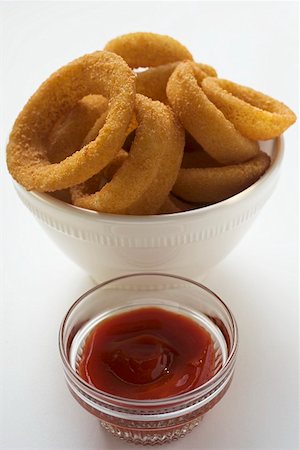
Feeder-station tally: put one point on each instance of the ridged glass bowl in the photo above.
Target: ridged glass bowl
(149, 421)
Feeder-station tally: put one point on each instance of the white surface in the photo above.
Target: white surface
(251, 43)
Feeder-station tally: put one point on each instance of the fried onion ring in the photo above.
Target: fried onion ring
(173, 205)
(153, 82)
(144, 180)
(97, 73)
(256, 115)
(203, 120)
(69, 131)
(213, 184)
(199, 159)
(148, 49)
(109, 171)
(93, 133)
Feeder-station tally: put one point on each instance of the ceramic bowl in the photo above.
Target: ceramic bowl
(186, 244)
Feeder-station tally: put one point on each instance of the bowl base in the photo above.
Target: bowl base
(151, 437)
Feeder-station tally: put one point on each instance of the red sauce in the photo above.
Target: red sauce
(147, 353)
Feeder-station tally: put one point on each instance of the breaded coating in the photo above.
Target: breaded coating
(140, 128)
(153, 82)
(213, 184)
(148, 49)
(198, 158)
(203, 120)
(100, 73)
(173, 205)
(69, 131)
(94, 130)
(144, 180)
(112, 168)
(256, 115)
(93, 133)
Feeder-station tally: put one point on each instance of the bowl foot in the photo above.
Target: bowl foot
(151, 437)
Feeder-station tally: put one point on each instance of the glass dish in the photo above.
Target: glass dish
(149, 421)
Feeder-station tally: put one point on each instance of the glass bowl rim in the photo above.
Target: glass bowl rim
(151, 402)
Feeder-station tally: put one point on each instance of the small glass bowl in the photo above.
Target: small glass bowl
(149, 421)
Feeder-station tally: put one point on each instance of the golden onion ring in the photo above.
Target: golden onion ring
(101, 73)
(173, 205)
(256, 115)
(153, 82)
(198, 158)
(213, 184)
(109, 171)
(148, 49)
(144, 180)
(93, 133)
(203, 120)
(69, 131)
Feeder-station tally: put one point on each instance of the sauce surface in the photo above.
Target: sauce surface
(147, 353)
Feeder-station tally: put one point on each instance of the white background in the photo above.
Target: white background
(252, 43)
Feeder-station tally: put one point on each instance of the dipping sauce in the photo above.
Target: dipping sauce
(147, 353)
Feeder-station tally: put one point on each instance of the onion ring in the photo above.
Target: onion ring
(213, 184)
(97, 73)
(109, 171)
(256, 115)
(74, 120)
(93, 133)
(100, 179)
(148, 49)
(203, 120)
(153, 82)
(145, 179)
(198, 159)
(69, 131)
(173, 205)
(64, 195)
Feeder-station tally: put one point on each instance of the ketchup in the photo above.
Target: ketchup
(147, 353)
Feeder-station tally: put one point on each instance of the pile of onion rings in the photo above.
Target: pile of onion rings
(147, 175)
(141, 128)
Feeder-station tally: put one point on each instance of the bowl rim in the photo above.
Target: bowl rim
(86, 214)
(219, 377)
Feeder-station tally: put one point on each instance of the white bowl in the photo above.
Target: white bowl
(186, 244)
